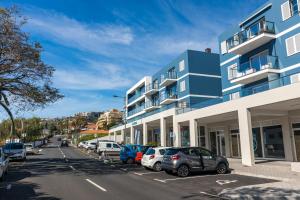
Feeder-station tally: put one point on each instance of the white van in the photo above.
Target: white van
(108, 146)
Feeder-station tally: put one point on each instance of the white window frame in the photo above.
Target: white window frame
(295, 78)
(224, 47)
(235, 95)
(282, 13)
(229, 71)
(181, 65)
(182, 86)
(293, 38)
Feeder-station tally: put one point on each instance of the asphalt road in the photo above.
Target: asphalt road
(68, 173)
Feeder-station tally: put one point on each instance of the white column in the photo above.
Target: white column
(109, 135)
(131, 135)
(287, 139)
(176, 128)
(122, 136)
(246, 137)
(227, 141)
(163, 138)
(145, 134)
(115, 136)
(193, 132)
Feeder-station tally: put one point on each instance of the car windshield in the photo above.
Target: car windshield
(150, 151)
(170, 152)
(28, 145)
(14, 146)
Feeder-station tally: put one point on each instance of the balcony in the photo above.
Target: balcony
(251, 38)
(167, 98)
(151, 105)
(256, 69)
(135, 111)
(168, 79)
(151, 89)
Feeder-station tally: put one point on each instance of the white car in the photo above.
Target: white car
(153, 157)
(15, 151)
(90, 145)
(3, 164)
(110, 147)
(81, 144)
(29, 148)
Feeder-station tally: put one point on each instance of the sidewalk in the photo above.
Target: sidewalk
(287, 186)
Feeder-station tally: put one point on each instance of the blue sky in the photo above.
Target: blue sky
(100, 48)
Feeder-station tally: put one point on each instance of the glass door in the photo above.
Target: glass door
(235, 143)
(213, 142)
(297, 143)
(221, 143)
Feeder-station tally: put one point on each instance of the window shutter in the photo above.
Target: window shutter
(181, 65)
(182, 86)
(290, 46)
(297, 42)
(223, 47)
(286, 10)
(295, 78)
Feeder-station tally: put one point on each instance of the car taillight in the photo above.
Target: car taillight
(152, 156)
(175, 157)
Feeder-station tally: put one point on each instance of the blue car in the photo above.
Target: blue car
(128, 153)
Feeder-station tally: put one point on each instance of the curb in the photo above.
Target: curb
(262, 176)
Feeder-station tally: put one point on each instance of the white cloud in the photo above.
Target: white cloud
(69, 32)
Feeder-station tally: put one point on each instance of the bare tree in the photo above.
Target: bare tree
(25, 80)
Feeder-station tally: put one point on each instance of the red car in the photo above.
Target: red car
(139, 154)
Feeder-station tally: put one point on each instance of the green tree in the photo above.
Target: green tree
(25, 80)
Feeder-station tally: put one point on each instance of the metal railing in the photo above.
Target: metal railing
(151, 86)
(136, 110)
(256, 64)
(150, 104)
(136, 96)
(167, 95)
(168, 75)
(254, 30)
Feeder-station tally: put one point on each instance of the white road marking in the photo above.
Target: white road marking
(72, 168)
(223, 182)
(141, 174)
(123, 169)
(96, 185)
(190, 177)
(113, 165)
(213, 195)
(8, 187)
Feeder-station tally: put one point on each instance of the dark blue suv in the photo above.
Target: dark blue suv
(128, 153)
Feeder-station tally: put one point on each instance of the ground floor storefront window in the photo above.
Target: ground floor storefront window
(185, 136)
(217, 143)
(273, 142)
(154, 137)
(235, 143)
(170, 137)
(296, 130)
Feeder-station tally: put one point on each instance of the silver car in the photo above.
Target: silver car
(3, 164)
(183, 161)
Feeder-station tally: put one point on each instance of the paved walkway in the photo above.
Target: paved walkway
(287, 187)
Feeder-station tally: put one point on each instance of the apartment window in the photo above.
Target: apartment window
(182, 104)
(182, 86)
(295, 78)
(181, 65)
(293, 45)
(232, 71)
(223, 47)
(289, 9)
(235, 95)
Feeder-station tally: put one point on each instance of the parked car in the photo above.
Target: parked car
(64, 143)
(3, 164)
(111, 147)
(128, 153)
(90, 145)
(139, 154)
(153, 157)
(183, 161)
(15, 151)
(81, 144)
(29, 148)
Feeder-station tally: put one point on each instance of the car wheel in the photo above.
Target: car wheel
(183, 171)
(130, 161)
(24, 158)
(124, 162)
(2, 177)
(157, 167)
(221, 168)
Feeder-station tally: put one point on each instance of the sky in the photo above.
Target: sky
(101, 48)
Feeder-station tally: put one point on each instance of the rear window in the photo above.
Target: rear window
(170, 152)
(162, 151)
(108, 145)
(150, 151)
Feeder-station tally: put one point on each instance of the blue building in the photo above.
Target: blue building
(258, 114)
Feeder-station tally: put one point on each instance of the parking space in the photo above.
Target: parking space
(205, 184)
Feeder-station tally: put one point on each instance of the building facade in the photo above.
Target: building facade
(258, 116)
